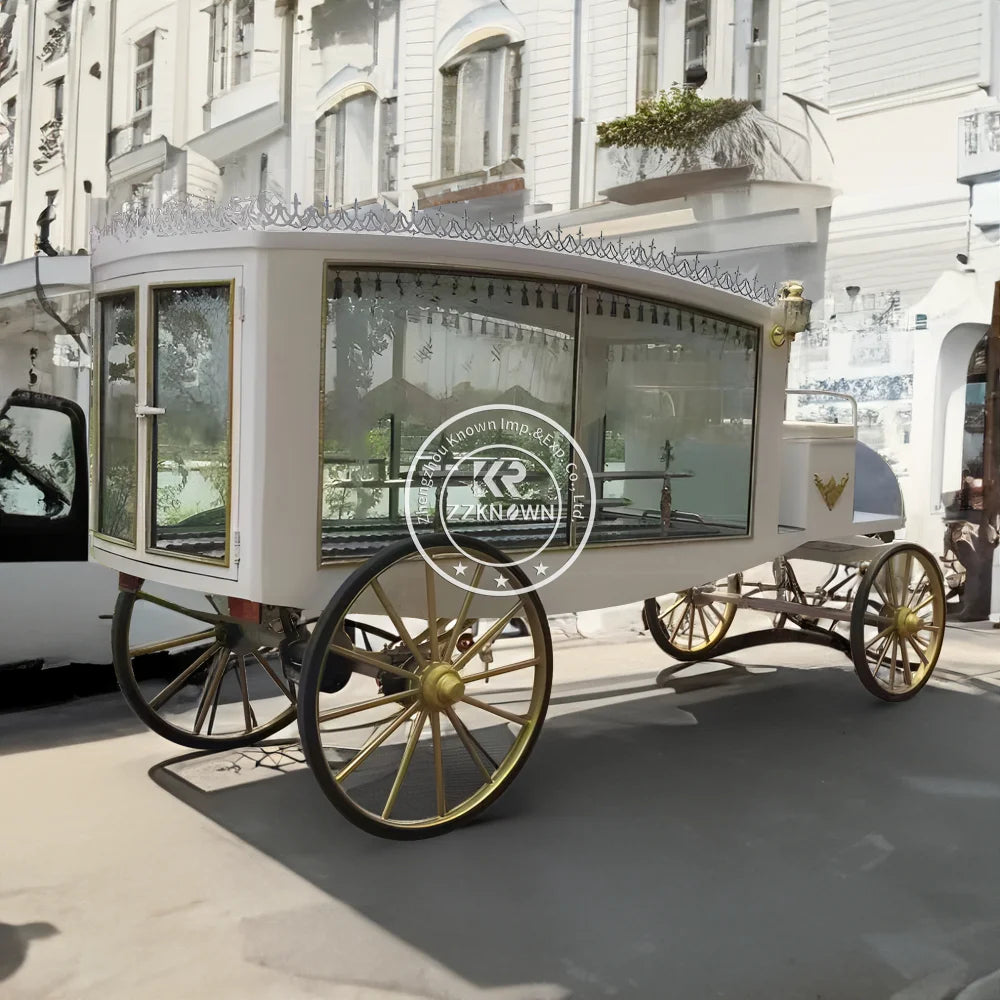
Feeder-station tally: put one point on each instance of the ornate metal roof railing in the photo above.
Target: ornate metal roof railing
(186, 216)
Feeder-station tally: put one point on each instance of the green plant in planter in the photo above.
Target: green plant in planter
(676, 119)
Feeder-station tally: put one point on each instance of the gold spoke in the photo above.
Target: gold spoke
(892, 670)
(208, 617)
(488, 636)
(907, 673)
(919, 652)
(442, 806)
(374, 742)
(521, 720)
(669, 612)
(371, 660)
(920, 607)
(429, 575)
(704, 625)
(691, 629)
(364, 706)
(713, 611)
(212, 685)
(881, 650)
(241, 673)
(496, 671)
(916, 590)
(881, 660)
(274, 677)
(397, 622)
(680, 624)
(449, 649)
(160, 647)
(907, 576)
(881, 635)
(467, 739)
(416, 727)
(178, 682)
(881, 593)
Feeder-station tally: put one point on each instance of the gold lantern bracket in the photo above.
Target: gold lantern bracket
(790, 313)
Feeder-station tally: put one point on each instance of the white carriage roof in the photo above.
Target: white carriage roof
(269, 213)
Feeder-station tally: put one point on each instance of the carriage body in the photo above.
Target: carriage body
(234, 337)
(270, 384)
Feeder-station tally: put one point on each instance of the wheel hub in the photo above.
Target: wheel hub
(908, 622)
(441, 686)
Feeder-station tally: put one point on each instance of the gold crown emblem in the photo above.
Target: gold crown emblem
(831, 490)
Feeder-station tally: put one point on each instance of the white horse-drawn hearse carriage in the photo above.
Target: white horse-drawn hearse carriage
(275, 392)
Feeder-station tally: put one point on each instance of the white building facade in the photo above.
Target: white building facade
(491, 108)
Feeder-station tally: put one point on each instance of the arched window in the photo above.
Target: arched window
(481, 107)
(345, 151)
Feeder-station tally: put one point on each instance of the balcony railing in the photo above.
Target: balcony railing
(751, 148)
(979, 143)
(50, 145)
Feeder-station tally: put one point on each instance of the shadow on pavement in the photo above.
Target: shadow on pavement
(801, 841)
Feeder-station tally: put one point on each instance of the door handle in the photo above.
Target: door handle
(149, 411)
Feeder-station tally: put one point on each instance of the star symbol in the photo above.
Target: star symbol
(501, 581)
(460, 569)
(541, 569)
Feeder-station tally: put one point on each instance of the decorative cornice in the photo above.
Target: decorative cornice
(183, 216)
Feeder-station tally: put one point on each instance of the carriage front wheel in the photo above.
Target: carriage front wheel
(688, 625)
(897, 622)
(224, 686)
(419, 736)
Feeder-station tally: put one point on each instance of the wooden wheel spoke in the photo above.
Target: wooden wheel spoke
(361, 656)
(880, 652)
(178, 682)
(704, 625)
(921, 654)
(442, 806)
(918, 589)
(397, 623)
(881, 659)
(687, 608)
(882, 594)
(907, 673)
(712, 609)
(691, 629)
(274, 677)
(520, 720)
(241, 673)
(471, 744)
(886, 631)
(181, 640)
(496, 671)
(892, 669)
(364, 706)
(666, 615)
(210, 694)
(416, 727)
(374, 742)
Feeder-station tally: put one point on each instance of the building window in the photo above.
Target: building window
(696, 42)
(142, 118)
(7, 144)
(231, 27)
(4, 229)
(58, 96)
(480, 110)
(649, 49)
(141, 195)
(758, 53)
(344, 153)
(388, 147)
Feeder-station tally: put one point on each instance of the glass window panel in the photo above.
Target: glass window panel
(192, 331)
(118, 470)
(649, 48)
(37, 463)
(667, 418)
(696, 41)
(449, 121)
(405, 351)
(473, 138)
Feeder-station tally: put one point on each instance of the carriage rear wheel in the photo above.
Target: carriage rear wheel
(418, 737)
(225, 686)
(898, 621)
(688, 625)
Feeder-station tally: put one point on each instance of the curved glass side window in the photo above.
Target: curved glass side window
(667, 405)
(117, 475)
(403, 352)
(190, 447)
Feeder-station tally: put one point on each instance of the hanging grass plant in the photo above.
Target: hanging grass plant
(675, 119)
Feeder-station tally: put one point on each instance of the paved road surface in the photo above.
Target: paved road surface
(777, 835)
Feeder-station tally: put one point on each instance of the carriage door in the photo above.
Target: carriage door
(188, 418)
